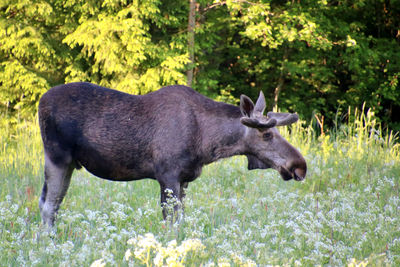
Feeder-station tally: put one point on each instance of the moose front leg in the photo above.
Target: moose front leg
(184, 186)
(171, 200)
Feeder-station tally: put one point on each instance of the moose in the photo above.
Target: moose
(167, 135)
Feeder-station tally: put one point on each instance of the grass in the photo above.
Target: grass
(346, 213)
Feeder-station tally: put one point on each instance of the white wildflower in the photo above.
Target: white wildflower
(148, 241)
(159, 260)
(98, 263)
(128, 254)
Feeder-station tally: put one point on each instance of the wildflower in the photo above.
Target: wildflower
(159, 260)
(223, 262)
(141, 254)
(128, 254)
(131, 241)
(147, 241)
(147, 248)
(239, 260)
(98, 263)
(354, 263)
(191, 245)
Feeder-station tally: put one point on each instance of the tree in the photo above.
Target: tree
(308, 56)
(135, 46)
(191, 25)
(30, 58)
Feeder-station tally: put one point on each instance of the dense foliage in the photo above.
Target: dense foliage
(307, 56)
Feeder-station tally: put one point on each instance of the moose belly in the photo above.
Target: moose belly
(111, 166)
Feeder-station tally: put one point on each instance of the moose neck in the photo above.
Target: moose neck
(224, 133)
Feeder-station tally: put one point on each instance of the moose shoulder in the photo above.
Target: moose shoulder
(167, 135)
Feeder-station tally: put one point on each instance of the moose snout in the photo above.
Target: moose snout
(294, 169)
(298, 169)
(300, 173)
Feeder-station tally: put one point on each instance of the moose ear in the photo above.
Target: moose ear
(260, 104)
(254, 123)
(246, 106)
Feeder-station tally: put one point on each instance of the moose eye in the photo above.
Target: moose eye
(267, 136)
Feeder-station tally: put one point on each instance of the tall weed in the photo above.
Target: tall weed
(349, 153)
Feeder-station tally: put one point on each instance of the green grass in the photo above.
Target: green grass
(346, 212)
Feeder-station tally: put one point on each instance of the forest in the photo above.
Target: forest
(316, 58)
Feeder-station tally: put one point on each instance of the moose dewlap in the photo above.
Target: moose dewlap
(167, 135)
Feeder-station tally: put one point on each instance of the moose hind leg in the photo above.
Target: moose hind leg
(57, 180)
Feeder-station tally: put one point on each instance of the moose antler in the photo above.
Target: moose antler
(283, 118)
(256, 123)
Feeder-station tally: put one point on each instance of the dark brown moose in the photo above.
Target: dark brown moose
(167, 135)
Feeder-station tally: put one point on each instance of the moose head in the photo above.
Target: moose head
(266, 147)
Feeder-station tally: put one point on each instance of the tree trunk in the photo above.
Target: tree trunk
(278, 89)
(191, 25)
(281, 80)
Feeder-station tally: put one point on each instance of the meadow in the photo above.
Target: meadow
(346, 212)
